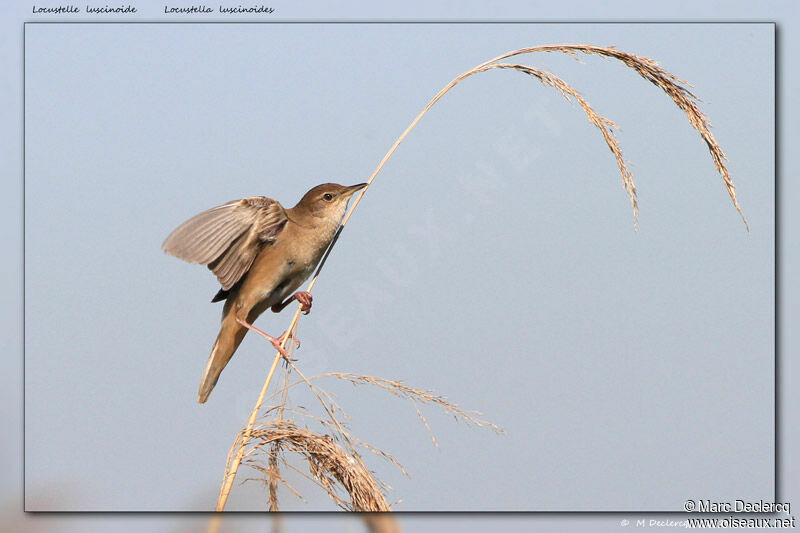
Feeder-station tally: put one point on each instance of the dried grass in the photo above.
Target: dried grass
(676, 89)
(605, 125)
(339, 473)
(416, 396)
(333, 459)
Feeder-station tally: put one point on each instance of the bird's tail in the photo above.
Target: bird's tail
(230, 336)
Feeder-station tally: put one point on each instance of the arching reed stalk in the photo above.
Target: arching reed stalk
(284, 433)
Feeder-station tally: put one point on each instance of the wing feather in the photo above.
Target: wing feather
(234, 263)
(227, 238)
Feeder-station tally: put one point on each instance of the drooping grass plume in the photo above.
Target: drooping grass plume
(346, 480)
(416, 396)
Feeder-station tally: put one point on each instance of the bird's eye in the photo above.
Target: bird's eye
(327, 197)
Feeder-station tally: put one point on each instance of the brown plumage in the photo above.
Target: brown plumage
(261, 253)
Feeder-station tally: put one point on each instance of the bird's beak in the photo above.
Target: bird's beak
(354, 188)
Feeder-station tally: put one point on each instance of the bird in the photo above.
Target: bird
(261, 253)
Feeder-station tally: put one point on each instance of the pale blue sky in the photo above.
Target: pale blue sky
(616, 349)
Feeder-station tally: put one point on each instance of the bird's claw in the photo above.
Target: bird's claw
(291, 337)
(281, 349)
(284, 353)
(305, 300)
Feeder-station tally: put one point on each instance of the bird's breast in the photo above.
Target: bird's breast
(283, 266)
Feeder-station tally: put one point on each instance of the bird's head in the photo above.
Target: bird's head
(327, 201)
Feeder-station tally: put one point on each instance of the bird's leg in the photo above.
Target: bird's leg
(276, 342)
(303, 297)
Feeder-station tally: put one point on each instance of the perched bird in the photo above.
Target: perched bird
(261, 253)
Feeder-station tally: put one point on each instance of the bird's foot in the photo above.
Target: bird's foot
(303, 297)
(276, 342)
(305, 300)
(291, 337)
(280, 339)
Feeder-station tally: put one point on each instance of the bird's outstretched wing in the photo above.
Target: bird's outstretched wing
(228, 237)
